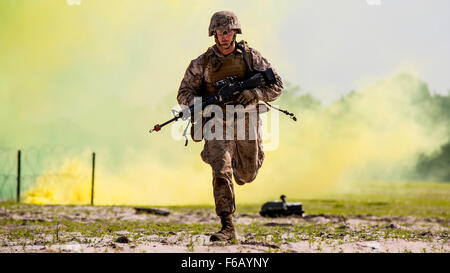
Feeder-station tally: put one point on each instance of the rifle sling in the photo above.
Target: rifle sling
(246, 60)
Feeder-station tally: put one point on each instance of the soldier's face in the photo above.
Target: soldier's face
(225, 37)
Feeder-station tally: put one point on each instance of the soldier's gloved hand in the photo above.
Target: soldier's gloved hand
(246, 97)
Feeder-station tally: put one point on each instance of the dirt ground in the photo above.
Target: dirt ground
(28, 228)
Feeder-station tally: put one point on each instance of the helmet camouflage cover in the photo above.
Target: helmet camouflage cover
(224, 20)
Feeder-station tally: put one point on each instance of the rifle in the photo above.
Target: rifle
(227, 90)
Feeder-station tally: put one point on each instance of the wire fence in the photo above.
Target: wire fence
(20, 170)
(8, 173)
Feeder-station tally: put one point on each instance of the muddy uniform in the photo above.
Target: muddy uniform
(241, 158)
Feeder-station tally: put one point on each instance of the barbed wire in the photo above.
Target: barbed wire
(42, 163)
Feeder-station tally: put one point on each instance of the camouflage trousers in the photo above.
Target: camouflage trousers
(240, 159)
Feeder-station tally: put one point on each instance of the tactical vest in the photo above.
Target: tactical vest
(221, 67)
(218, 69)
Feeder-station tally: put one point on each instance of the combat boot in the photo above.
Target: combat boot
(227, 233)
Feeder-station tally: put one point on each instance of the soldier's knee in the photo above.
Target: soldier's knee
(244, 177)
(249, 177)
(218, 181)
(221, 177)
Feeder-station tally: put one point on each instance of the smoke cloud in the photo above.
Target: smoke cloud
(94, 79)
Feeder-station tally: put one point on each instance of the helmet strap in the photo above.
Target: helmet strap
(218, 43)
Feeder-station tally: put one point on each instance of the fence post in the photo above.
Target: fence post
(18, 175)
(92, 179)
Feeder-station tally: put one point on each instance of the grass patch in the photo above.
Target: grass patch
(51, 224)
(424, 199)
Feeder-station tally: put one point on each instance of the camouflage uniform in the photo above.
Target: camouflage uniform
(241, 158)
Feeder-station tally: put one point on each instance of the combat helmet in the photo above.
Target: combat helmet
(224, 20)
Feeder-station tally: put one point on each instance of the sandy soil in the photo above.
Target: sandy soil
(419, 234)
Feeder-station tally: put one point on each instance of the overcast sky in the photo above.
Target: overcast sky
(331, 47)
(327, 47)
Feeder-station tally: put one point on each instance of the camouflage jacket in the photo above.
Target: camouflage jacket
(196, 77)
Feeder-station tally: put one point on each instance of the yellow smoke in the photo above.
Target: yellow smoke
(142, 183)
(61, 186)
(374, 132)
(102, 73)
(373, 135)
